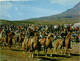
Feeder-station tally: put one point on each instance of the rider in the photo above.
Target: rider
(63, 35)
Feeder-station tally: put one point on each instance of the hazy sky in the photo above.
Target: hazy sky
(25, 9)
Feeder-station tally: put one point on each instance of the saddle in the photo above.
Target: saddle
(44, 39)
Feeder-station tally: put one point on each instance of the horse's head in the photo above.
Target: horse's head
(69, 34)
(51, 36)
(11, 34)
(36, 35)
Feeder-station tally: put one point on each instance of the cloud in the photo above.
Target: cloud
(40, 10)
(5, 6)
(16, 0)
(64, 2)
(16, 8)
(4, 10)
(9, 10)
(5, 15)
(20, 13)
(20, 10)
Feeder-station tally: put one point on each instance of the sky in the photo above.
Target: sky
(26, 9)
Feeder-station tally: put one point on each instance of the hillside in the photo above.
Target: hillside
(70, 14)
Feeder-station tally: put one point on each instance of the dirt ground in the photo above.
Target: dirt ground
(17, 55)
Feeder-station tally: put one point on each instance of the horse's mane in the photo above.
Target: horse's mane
(69, 34)
(11, 33)
(50, 35)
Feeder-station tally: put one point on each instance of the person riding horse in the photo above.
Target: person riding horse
(63, 35)
(30, 34)
(5, 32)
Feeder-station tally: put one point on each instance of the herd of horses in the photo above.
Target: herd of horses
(36, 37)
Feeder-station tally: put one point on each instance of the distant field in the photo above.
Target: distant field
(36, 22)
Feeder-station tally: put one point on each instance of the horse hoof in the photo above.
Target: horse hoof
(21, 49)
(51, 55)
(9, 50)
(23, 52)
(69, 55)
(29, 56)
(32, 55)
(56, 53)
(45, 55)
(39, 59)
(64, 53)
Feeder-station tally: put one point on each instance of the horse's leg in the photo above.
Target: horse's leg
(51, 52)
(9, 41)
(15, 40)
(9, 47)
(66, 49)
(33, 54)
(44, 49)
(61, 49)
(46, 52)
(23, 48)
(57, 44)
(30, 53)
(2, 41)
(38, 53)
(69, 53)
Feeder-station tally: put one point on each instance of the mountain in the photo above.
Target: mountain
(70, 14)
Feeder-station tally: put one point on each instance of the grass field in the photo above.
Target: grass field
(46, 22)
(17, 55)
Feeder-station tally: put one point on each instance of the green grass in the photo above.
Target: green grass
(47, 22)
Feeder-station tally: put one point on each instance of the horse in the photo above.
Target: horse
(24, 43)
(2, 40)
(3, 37)
(21, 37)
(31, 44)
(0, 30)
(10, 38)
(67, 43)
(47, 43)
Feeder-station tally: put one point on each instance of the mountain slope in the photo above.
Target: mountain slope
(73, 13)
(70, 16)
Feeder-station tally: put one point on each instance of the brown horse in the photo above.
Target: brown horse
(67, 43)
(2, 40)
(21, 37)
(10, 38)
(32, 42)
(0, 30)
(24, 43)
(47, 43)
